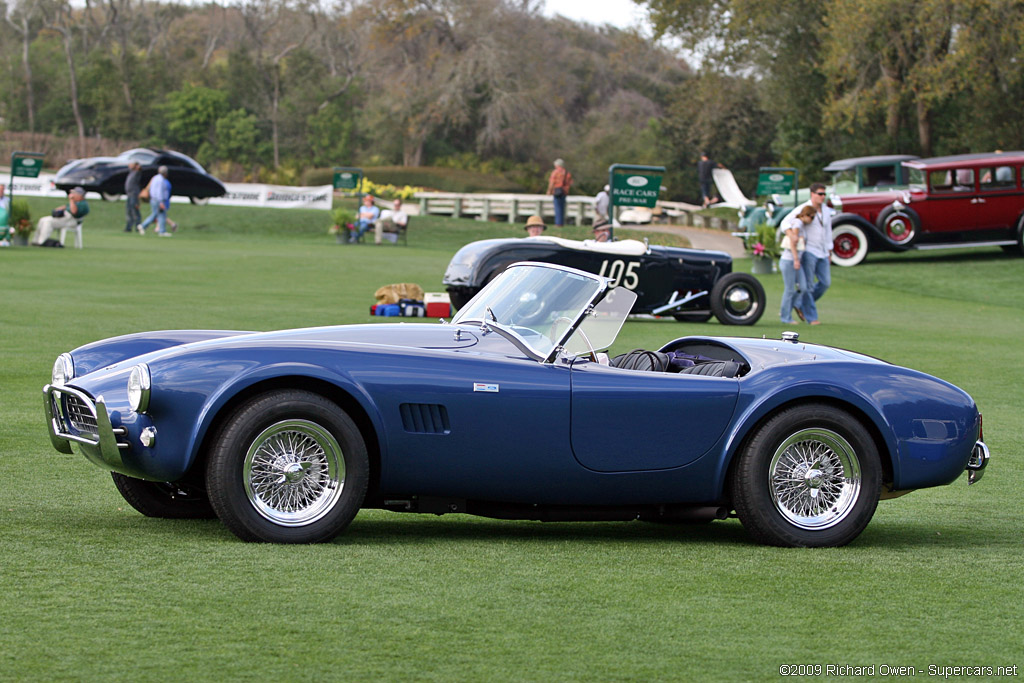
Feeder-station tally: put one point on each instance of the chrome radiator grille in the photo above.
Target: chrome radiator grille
(79, 415)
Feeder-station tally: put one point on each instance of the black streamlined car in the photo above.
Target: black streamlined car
(106, 175)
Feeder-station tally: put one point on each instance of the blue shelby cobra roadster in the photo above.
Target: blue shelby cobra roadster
(511, 410)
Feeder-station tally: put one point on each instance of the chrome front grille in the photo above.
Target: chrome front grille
(80, 414)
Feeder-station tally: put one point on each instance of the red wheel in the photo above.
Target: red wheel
(849, 245)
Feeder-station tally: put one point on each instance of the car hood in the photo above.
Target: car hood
(151, 347)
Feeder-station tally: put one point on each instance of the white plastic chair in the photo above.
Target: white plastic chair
(78, 234)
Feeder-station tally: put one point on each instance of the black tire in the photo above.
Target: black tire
(460, 296)
(692, 317)
(1017, 249)
(199, 201)
(899, 226)
(110, 196)
(163, 499)
(808, 477)
(737, 299)
(288, 466)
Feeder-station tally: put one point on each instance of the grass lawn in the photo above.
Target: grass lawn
(91, 590)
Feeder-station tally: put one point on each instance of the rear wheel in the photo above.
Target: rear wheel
(849, 245)
(808, 477)
(1018, 248)
(737, 299)
(163, 499)
(460, 296)
(289, 466)
(110, 196)
(199, 201)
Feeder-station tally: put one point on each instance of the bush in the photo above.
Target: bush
(20, 219)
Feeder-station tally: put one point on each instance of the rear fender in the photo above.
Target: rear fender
(751, 411)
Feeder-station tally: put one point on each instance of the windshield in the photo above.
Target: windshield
(141, 155)
(601, 326)
(845, 182)
(538, 303)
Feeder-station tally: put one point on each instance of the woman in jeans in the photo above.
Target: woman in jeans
(793, 277)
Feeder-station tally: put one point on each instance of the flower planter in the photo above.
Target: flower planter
(19, 239)
(762, 265)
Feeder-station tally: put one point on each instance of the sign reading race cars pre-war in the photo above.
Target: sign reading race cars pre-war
(635, 185)
(776, 181)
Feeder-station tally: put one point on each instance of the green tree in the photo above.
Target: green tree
(190, 115)
(883, 59)
(236, 138)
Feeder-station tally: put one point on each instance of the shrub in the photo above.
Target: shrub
(20, 218)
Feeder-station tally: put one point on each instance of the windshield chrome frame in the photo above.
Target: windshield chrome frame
(509, 332)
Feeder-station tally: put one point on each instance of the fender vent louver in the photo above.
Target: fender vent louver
(424, 418)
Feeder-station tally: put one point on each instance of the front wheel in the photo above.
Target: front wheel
(289, 466)
(737, 299)
(164, 500)
(199, 201)
(692, 317)
(110, 196)
(808, 477)
(849, 245)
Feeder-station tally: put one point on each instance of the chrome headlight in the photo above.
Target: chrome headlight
(139, 384)
(63, 370)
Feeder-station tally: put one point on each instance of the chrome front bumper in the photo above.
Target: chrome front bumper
(977, 462)
(72, 416)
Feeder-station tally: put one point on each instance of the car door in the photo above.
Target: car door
(627, 420)
(1000, 200)
(952, 201)
(471, 425)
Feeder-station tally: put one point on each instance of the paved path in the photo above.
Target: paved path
(700, 238)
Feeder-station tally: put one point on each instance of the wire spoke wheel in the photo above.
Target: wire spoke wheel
(294, 472)
(815, 479)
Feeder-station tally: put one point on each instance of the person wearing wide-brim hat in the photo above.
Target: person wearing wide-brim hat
(535, 226)
(602, 230)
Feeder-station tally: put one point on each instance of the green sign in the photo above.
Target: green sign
(347, 178)
(776, 181)
(635, 185)
(26, 165)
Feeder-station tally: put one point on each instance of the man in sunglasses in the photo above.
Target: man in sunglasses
(817, 256)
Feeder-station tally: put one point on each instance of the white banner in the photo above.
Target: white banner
(32, 187)
(276, 196)
(238, 194)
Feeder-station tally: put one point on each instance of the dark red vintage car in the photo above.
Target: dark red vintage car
(968, 200)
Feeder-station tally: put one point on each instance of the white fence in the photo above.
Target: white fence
(579, 209)
(512, 208)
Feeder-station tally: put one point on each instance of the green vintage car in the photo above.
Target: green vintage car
(856, 175)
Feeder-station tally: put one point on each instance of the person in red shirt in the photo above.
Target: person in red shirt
(559, 183)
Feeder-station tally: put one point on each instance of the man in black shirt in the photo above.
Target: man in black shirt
(132, 187)
(704, 176)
